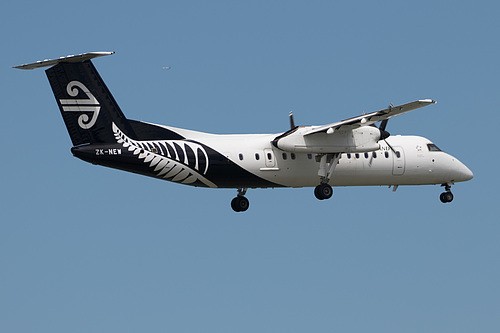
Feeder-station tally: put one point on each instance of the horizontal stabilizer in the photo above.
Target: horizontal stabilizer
(71, 58)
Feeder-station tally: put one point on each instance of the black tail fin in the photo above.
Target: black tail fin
(86, 105)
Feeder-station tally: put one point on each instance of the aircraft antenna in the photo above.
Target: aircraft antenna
(292, 121)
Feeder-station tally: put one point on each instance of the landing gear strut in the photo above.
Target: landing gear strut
(240, 203)
(447, 196)
(324, 190)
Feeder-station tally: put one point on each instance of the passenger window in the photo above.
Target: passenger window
(284, 156)
(349, 156)
(357, 155)
(309, 156)
(292, 155)
(398, 154)
(257, 156)
(366, 155)
(240, 156)
(374, 154)
(386, 154)
(269, 156)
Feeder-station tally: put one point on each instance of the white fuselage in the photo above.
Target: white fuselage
(416, 164)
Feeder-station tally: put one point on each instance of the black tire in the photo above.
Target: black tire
(234, 204)
(323, 191)
(446, 197)
(240, 204)
(317, 194)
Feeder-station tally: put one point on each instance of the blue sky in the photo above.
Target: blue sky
(89, 249)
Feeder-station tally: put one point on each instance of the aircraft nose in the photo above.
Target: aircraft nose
(463, 173)
(468, 175)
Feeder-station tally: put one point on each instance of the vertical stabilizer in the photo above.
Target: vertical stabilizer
(86, 104)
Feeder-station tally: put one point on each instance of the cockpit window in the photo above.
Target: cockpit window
(433, 147)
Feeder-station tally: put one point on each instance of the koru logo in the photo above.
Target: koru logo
(90, 104)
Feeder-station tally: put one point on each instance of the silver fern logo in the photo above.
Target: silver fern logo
(179, 161)
(90, 104)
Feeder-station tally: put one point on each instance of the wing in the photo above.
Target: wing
(370, 118)
(346, 136)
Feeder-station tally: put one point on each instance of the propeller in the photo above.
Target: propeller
(384, 134)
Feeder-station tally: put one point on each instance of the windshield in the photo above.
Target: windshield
(433, 147)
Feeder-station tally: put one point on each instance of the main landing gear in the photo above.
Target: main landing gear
(327, 164)
(447, 196)
(323, 191)
(240, 203)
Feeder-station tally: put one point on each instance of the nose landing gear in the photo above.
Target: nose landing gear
(447, 196)
(240, 203)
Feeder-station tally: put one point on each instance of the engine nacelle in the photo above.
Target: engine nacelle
(358, 140)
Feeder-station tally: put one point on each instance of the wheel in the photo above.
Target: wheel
(323, 191)
(234, 204)
(446, 197)
(240, 204)
(243, 204)
(316, 193)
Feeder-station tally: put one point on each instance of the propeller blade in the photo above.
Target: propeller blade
(383, 133)
(383, 124)
(394, 151)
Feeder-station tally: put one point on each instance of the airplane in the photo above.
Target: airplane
(351, 152)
